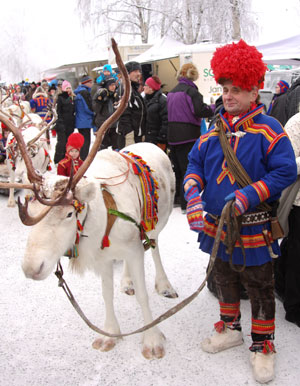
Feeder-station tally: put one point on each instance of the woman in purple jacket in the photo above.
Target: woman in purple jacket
(185, 112)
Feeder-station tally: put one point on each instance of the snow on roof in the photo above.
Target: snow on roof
(164, 48)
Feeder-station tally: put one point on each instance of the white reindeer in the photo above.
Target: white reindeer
(18, 110)
(55, 213)
(55, 234)
(37, 149)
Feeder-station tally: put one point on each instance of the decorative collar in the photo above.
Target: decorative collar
(242, 121)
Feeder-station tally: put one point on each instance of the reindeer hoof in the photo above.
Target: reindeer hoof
(129, 291)
(166, 290)
(127, 287)
(157, 352)
(170, 295)
(103, 344)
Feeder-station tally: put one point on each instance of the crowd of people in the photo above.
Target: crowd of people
(260, 148)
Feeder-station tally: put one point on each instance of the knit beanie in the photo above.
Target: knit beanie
(85, 79)
(283, 85)
(189, 71)
(75, 141)
(65, 85)
(107, 67)
(154, 82)
(108, 81)
(133, 66)
(241, 64)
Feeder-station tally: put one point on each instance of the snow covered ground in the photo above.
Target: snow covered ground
(44, 342)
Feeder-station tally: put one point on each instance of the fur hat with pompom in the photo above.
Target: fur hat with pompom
(75, 141)
(189, 71)
(241, 64)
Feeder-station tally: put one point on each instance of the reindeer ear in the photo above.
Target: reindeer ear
(85, 191)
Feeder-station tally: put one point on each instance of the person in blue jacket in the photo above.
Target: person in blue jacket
(106, 74)
(265, 152)
(84, 114)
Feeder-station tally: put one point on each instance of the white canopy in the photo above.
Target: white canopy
(286, 51)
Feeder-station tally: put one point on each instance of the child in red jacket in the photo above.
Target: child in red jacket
(74, 144)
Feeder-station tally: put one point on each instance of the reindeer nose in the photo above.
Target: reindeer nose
(33, 273)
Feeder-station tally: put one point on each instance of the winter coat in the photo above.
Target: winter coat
(64, 166)
(39, 104)
(293, 100)
(84, 114)
(185, 110)
(134, 117)
(266, 153)
(157, 118)
(288, 104)
(65, 111)
(103, 106)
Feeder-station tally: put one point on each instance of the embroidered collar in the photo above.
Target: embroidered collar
(243, 121)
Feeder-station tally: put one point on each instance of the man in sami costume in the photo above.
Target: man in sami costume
(266, 154)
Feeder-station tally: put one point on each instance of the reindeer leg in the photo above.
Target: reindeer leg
(153, 339)
(11, 198)
(162, 284)
(111, 325)
(126, 282)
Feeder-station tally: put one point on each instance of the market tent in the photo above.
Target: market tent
(164, 48)
(286, 51)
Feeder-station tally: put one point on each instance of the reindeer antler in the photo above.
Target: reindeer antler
(26, 218)
(54, 118)
(114, 117)
(31, 173)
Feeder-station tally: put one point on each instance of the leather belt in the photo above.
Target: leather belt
(255, 218)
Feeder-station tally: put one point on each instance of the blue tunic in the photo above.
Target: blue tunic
(266, 154)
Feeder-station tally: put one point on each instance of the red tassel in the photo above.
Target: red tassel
(105, 242)
(268, 347)
(79, 226)
(220, 326)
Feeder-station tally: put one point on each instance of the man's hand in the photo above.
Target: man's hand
(241, 203)
(189, 183)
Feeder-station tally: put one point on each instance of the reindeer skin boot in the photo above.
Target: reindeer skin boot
(262, 359)
(225, 337)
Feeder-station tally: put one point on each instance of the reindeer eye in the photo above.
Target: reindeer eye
(69, 214)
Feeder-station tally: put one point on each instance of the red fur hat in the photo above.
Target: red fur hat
(75, 141)
(240, 63)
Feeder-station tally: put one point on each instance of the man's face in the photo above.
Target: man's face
(134, 76)
(112, 87)
(89, 83)
(236, 100)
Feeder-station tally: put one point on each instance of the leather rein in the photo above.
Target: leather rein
(232, 235)
(172, 311)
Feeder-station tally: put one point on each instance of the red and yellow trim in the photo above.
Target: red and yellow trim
(229, 309)
(262, 190)
(196, 178)
(249, 241)
(273, 143)
(263, 327)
